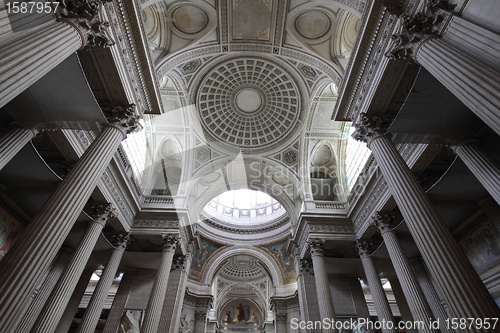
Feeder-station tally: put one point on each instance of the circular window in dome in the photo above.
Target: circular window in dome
(244, 207)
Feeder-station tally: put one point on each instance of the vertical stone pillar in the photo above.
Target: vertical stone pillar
(306, 285)
(174, 298)
(35, 248)
(358, 298)
(413, 295)
(54, 308)
(13, 140)
(43, 293)
(468, 69)
(324, 295)
(431, 294)
(29, 54)
(482, 166)
(116, 312)
(404, 309)
(279, 308)
(157, 298)
(462, 288)
(379, 297)
(98, 299)
(74, 302)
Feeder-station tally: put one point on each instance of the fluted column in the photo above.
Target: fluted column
(13, 140)
(403, 307)
(43, 293)
(100, 294)
(468, 69)
(306, 286)
(74, 302)
(37, 246)
(431, 294)
(116, 312)
(482, 166)
(325, 302)
(380, 301)
(29, 54)
(181, 291)
(54, 308)
(462, 288)
(414, 296)
(157, 297)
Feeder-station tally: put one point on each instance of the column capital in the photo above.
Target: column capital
(315, 246)
(384, 221)
(178, 262)
(417, 29)
(364, 248)
(122, 118)
(84, 16)
(368, 128)
(102, 212)
(170, 242)
(305, 266)
(120, 241)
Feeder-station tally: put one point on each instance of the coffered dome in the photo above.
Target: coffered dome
(249, 103)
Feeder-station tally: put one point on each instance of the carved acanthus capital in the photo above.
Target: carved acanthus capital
(369, 128)
(103, 212)
(316, 246)
(306, 266)
(394, 7)
(178, 263)
(418, 28)
(364, 248)
(84, 15)
(170, 242)
(384, 221)
(123, 117)
(121, 241)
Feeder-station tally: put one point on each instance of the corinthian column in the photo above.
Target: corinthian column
(482, 166)
(325, 302)
(100, 294)
(306, 286)
(157, 297)
(462, 288)
(380, 301)
(29, 54)
(13, 140)
(54, 307)
(469, 69)
(37, 246)
(414, 296)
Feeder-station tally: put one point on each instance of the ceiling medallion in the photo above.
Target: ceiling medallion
(248, 103)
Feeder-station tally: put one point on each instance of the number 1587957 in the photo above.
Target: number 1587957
(28, 7)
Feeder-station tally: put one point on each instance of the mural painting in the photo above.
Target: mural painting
(9, 229)
(284, 260)
(201, 256)
(481, 244)
(240, 316)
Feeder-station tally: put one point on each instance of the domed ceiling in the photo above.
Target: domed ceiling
(249, 103)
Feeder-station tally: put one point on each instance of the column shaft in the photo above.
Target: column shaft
(44, 291)
(37, 246)
(167, 319)
(358, 298)
(473, 83)
(115, 315)
(54, 308)
(181, 292)
(306, 285)
(98, 299)
(12, 141)
(29, 54)
(413, 295)
(325, 302)
(482, 166)
(74, 302)
(379, 297)
(157, 297)
(403, 307)
(462, 288)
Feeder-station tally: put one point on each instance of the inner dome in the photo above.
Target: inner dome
(244, 207)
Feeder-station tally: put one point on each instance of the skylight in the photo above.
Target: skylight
(355, 160)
